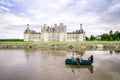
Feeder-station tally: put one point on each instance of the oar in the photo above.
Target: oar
(77, 62)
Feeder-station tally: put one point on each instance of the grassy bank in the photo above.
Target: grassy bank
(83, 42)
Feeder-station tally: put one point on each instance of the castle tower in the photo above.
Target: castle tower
(27, 33)
(80, 26)
(81, 34)
(28, 25)
(81, 29)
(62, 32)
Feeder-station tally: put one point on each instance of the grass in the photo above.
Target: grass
(82, 42)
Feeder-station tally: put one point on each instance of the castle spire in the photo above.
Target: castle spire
(28, 26)
(80, 26)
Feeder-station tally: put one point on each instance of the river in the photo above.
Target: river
(47, 64)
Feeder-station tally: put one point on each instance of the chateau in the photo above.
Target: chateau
(54, 33)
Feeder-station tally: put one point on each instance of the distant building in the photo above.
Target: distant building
(98, 37)
(54, 33)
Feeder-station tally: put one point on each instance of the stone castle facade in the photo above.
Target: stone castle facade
(54, 33)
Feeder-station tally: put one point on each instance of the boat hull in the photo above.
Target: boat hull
(74, 62)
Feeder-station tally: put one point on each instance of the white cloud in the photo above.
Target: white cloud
(4, 9)
(6, 2)
(96, 16)
(11, 19)
(12, 26)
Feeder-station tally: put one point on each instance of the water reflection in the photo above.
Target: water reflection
(78, 68)
(112, 52)
(44, 64)
(29, 52)
(117, 51)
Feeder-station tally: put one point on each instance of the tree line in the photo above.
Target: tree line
(111, 36)
(11, 40)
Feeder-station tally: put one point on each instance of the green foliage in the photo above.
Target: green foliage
(71, 46)
(105, 37)
(4, 40)
(92, 38)
(87, 39)
(111, 36)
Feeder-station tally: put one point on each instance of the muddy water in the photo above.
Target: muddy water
(42, 64)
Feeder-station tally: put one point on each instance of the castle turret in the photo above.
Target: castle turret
(81, 29)
(27, 31)
(80, 26)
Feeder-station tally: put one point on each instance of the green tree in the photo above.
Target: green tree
(92, 38)
(116, 36)
(87, 39)
(111, 36)
(105, 37)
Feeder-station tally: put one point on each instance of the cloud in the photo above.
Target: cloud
(111, 16)
(3, 9)
(12, 26)
(13, 19)
(6, 3)
(97, 16)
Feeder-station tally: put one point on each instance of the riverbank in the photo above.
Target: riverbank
(61, 45)
(81, 42)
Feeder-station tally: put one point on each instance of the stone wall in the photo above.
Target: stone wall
(61, 46)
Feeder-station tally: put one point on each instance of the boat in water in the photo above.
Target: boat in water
(75, 62)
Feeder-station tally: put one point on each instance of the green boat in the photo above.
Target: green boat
(75, 62)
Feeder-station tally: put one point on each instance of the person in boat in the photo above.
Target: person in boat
(75, 59)
(73, 56)
(78, 58)
(90, 58)
(68, 56)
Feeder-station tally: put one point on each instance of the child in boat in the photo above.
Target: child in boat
(90, 58)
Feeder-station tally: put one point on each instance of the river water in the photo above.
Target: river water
(46, 64)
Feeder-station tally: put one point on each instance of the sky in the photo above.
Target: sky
(96, 16)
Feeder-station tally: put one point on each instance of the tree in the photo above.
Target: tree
(87, 39)
(105, 37)
(111, 32)
(92, 38)
(116, 36)
(111, 35)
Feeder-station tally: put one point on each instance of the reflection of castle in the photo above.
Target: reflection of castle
(54, 33)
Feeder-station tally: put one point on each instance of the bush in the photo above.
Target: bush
(71, 46)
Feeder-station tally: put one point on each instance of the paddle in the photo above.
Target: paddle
(77, 62)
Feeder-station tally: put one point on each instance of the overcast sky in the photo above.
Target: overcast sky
(97, 16)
